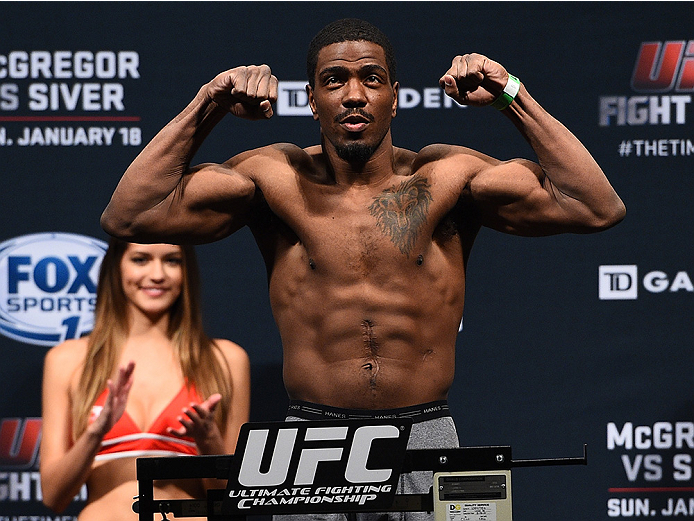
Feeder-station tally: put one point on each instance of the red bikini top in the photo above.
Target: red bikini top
(126, 440)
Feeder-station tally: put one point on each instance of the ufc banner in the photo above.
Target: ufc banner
(325, 466)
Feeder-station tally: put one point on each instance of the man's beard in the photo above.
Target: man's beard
(355, 152)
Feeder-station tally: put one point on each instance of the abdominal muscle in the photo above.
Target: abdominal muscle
(112, 487)
(379, 341)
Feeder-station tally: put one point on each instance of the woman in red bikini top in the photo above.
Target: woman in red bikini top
(147, 381)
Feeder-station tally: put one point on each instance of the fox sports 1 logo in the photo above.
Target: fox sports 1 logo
(48, 286)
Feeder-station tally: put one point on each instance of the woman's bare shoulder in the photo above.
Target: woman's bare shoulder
(73, 350)
(64, 360)
(234, 353)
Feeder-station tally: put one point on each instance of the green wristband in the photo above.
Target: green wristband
(508, 95)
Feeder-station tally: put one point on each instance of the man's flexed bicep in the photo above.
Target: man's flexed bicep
(566, 191)
(209, 202)
(517, 197)
(161, 199)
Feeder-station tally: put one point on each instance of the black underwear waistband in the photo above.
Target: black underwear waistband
(418, 413)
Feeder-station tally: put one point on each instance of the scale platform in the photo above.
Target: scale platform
(338, 466)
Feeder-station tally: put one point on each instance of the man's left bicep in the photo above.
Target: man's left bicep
(516, 197)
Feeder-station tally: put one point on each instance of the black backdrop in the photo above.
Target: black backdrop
(566, 340)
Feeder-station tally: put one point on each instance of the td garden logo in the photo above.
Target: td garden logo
(622, 282)
(48, 286)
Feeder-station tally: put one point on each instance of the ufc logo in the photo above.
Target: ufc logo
(354, 456)
(19, 442)
(660, 67)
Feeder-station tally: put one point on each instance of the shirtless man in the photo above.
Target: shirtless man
(365, 243)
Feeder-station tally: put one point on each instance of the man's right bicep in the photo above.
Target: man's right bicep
(211, 201)
(206, 203)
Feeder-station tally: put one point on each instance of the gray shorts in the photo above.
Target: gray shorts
(429, 431)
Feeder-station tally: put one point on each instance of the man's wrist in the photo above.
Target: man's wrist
(508, 94)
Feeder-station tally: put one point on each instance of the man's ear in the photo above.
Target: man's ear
(311, 101)
(396, 89)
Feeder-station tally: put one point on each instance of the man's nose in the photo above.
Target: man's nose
(355, 95)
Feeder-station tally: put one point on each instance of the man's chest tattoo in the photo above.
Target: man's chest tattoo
(401, 211)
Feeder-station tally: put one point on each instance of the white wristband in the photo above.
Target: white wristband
(509, 93)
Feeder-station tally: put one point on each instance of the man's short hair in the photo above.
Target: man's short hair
(348, 30)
